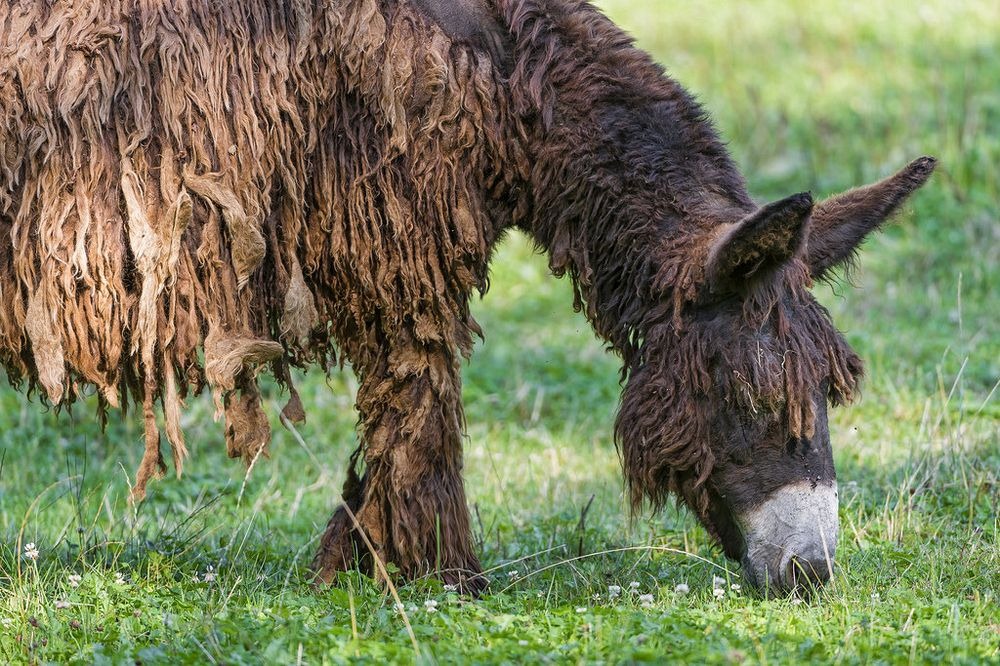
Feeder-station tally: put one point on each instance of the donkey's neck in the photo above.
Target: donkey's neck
(628, 177)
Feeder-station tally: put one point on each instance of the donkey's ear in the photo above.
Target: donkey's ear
(841, 223)
(759, 243)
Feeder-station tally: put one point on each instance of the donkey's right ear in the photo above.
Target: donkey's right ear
(758, 244)
(841, 223)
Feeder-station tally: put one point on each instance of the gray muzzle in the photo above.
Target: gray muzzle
(791, 538)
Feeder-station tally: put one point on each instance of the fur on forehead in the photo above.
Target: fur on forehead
(767, 350)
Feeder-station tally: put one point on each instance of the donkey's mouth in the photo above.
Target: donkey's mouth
(791, 538)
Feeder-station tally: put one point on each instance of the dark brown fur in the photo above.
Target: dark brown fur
(266, 183)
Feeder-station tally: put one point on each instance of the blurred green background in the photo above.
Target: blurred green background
(821, 95)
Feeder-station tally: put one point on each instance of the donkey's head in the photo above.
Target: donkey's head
(726, 401)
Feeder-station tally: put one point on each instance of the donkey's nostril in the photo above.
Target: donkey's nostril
(805, 571)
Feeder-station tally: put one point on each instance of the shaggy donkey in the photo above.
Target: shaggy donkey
(194, 191)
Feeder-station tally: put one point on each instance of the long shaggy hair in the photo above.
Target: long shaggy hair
(257, 180)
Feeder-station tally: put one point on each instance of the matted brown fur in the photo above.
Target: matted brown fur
(192, 192)
(246, 177)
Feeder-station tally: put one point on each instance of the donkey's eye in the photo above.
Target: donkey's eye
(748, 432)
(799, 446)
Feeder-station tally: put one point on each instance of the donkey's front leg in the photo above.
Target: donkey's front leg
(411, 500)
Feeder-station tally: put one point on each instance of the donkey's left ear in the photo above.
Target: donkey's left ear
(759, 243)
(841, 223)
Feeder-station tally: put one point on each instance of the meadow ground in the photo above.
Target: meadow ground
(818, 95)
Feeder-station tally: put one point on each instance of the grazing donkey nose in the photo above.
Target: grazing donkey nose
(791, 538)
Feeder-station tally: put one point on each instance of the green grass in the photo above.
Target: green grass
(812, 95)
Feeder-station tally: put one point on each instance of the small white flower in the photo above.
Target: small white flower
(61, 604)
(522, 642)
(682, 588)
(646, 600)
(74, 580)
(513, 574)
(209, 574)
(719, 592)
(31, 552)
(634, 585)
(718, 582)
(735, 587)
(614, 591)
(450, 588)
(398, 607)
(581, 609)
(796, 601)
(430, 606)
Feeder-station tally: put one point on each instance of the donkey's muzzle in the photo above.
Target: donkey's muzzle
(791, 538)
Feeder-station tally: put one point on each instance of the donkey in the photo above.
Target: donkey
(192, 191)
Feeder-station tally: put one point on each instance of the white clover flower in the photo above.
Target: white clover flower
(398, 607)
(450, 588)
(61, 604)
(513, 574)
(719, 592)
(209, 574)
(682, 588)
(735, 587)
(581, 609)
(74, 580)
(634, 585)
(120, 578)
(31, 551)
(614, 591)
(718, 582)
(646, 600)
(430, 606)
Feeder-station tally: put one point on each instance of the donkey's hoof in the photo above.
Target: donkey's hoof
(467, 581)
